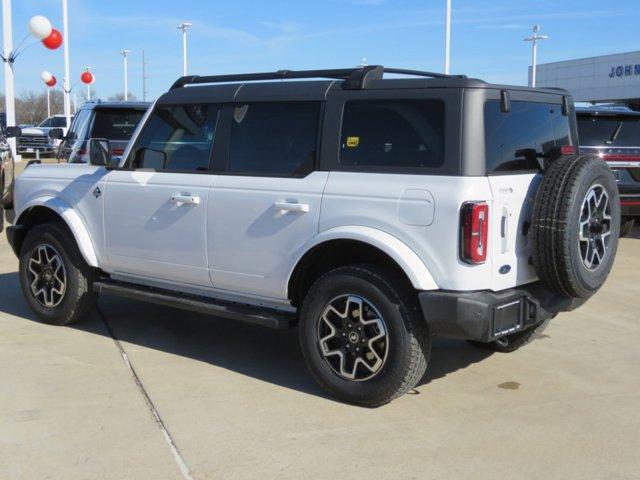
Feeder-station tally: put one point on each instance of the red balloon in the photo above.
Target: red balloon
(54, 40)
(86, 77)
(51, 82)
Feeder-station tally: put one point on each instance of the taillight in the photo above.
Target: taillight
(567, 150)
(475, 232)
(117, 151)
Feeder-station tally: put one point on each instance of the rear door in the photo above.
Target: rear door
(515, 143)
(266, 203)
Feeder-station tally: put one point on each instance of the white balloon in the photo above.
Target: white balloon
(46, 76)
(40, 27)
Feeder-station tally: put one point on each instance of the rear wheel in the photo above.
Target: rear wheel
(55, 279)
(362, 335)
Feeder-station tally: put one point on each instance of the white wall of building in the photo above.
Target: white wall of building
(603, 78)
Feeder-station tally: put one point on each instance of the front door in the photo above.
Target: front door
(156, 211)
(267, 204)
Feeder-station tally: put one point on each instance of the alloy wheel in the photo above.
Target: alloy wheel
(595, 227)
(353, 337)
(47, 275)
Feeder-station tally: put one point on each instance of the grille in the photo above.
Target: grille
(34, 141)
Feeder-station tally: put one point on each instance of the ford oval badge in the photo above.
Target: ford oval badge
(504, 269)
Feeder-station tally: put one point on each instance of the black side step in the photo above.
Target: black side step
(267, 317)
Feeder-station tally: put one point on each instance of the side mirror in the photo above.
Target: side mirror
(13, 132)
(56, 134)
(99, 152)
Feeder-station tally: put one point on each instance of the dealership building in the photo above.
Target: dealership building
(605, 79)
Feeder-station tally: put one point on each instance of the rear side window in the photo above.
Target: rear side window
(389, 134)
(178, 138)
(116, 124)
(610, 131)
(278, 139)
(515, 140)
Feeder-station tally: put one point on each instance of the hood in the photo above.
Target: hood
(33, 131)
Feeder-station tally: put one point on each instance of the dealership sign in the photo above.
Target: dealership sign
(625, 70)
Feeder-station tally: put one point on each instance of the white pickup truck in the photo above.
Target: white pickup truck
(372, 213)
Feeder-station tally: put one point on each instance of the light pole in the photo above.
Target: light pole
(184, 26)
(534, 42)
(40, 27)
(447, 38)
(66, 79)
(124, 54)
(8, 70)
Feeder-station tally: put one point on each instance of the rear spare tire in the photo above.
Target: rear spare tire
(576, 224)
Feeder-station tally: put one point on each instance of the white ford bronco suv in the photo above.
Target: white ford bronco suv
(371, 211)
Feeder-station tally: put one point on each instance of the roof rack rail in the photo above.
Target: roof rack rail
(354, 78)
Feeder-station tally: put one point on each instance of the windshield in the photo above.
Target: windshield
(614, 131)
(58, 122)
(116, 124)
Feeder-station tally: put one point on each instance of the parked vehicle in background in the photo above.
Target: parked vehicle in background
(35, 139)
(613, 134)
(374, 213)
(113, 121)
(7, 172)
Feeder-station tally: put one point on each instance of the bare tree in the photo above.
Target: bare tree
(120, 96)
(31, 107)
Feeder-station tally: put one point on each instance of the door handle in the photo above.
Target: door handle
(185, 199)
(292, 207)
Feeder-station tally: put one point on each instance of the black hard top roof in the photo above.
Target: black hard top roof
(315, 84)
(606, 111)
(116, 104)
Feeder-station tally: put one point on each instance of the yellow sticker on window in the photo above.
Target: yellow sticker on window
(353, 142)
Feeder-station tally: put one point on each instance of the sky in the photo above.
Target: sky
(250, 36)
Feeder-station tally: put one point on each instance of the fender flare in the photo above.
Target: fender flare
(72, 220)
(408, 260)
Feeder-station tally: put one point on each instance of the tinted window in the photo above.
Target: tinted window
(116, 124)
(46, 123)
(515, 140)
(80, 124)
(614, 131)
(274, 138)
(178, 138)
(59, 122)
(395, 134)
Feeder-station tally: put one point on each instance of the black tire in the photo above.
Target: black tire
(514, 341)
(408, 343)
(77, 298)
(626, 225)
(556, 248)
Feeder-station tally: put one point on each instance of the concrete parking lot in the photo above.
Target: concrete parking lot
(207, 398)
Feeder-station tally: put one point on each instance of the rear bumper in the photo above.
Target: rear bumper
(485, 316)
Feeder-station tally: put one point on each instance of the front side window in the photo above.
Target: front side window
(518, 139)
(177, 138)
(59, 122)
(278, 139)
(393, 134)
(80, 124)
(116, 124)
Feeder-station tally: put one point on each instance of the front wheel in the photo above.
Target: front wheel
(55, 279)
(362, 335)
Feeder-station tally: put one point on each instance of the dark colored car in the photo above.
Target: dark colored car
(613, 133)
(113, 121)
